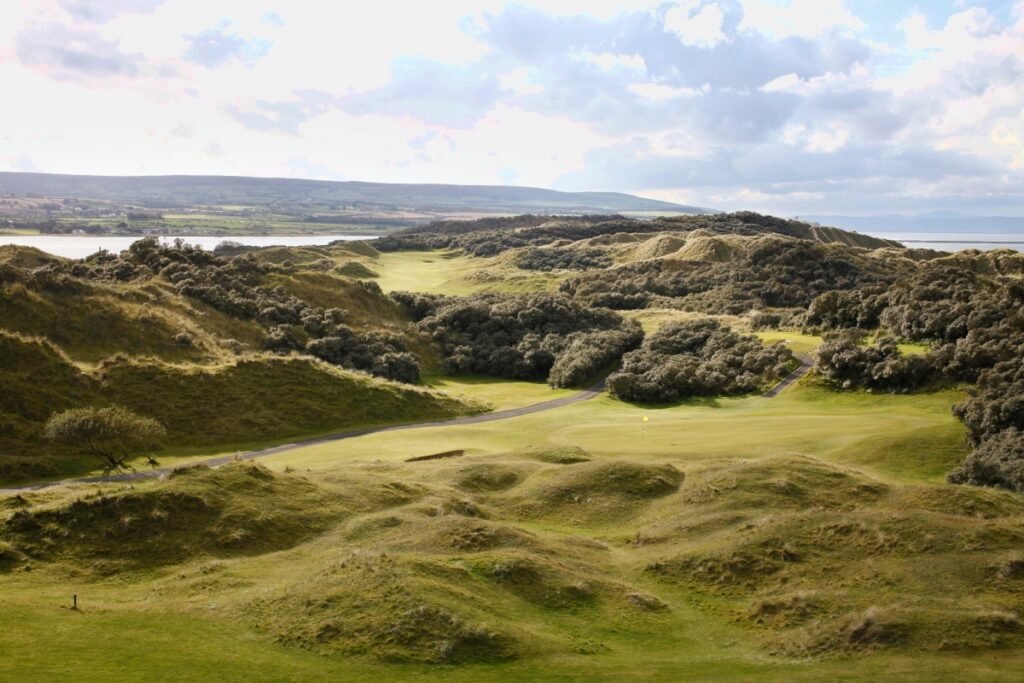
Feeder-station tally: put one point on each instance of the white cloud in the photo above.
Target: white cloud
(520, 81)
(952, 87)
(781, 84)
(803, 18)
(659, 92)
(696, 25)
(821, 140)
(609, 61)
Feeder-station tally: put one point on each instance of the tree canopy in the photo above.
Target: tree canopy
(110, 434)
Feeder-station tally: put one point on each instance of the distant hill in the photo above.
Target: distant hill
(186, 190)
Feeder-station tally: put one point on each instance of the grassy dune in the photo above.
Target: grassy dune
(563, 545)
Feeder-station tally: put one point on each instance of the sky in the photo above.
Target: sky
(788, 107)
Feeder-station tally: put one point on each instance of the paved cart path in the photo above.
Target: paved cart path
(586, 395)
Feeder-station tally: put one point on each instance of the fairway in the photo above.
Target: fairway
(454, 274)
(918, 432)
(433, 272)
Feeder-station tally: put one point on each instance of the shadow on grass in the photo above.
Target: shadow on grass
(440, 381)
(692, 402)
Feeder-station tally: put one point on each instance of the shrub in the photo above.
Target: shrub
(696, 358)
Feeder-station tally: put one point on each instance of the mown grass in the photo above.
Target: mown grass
(454, 274)
(843, 427)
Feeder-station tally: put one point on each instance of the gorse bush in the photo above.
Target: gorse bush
(697, 358)
(975, 326)
(535, 258)
(238, 287)
(776, 273)
(997, 461)
(844, 359)
(525, 336)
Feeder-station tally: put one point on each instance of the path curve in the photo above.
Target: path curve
(792, 378)
(585, 395)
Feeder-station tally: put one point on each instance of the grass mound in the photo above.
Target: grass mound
(709, 248)
(604, 490)
(569, 455)
(239, 509)
(539, 580)
(354, 269)
(489, 477)
(658, 246)
(858, 631)
(9, 557)
(241, 402)
(786, 482)
(387, 607)
(771, 534)
(471, 535)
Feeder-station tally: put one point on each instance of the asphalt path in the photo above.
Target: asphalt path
(586, 395)
(792, 378)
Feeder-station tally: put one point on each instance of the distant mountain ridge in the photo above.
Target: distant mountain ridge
(191, 190)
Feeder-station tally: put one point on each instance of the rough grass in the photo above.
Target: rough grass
(235, 510)
(535, 563)
(248, 401)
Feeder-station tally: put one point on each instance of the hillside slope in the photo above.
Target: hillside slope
(213, 375)
(171, 191)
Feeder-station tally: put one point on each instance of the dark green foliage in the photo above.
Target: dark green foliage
(491, 236)
(379, 353)
(997, 403)
(535, 258)
(845, 360)
(697, 358)
(838, 309)
(523, 336)
(998, 461)
(587, 353)
(976, 326)
(775, 273)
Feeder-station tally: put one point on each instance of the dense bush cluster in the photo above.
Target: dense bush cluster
(697, 358)
(975, 325)
(775, 273)
(844, 359)
(237, 287)
(997, 461)
(528, 336)
(535, 258)
(491, 236)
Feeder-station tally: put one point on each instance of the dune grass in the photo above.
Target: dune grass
(564, 545)
(498, 394)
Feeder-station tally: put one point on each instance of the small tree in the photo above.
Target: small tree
(110, 434)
